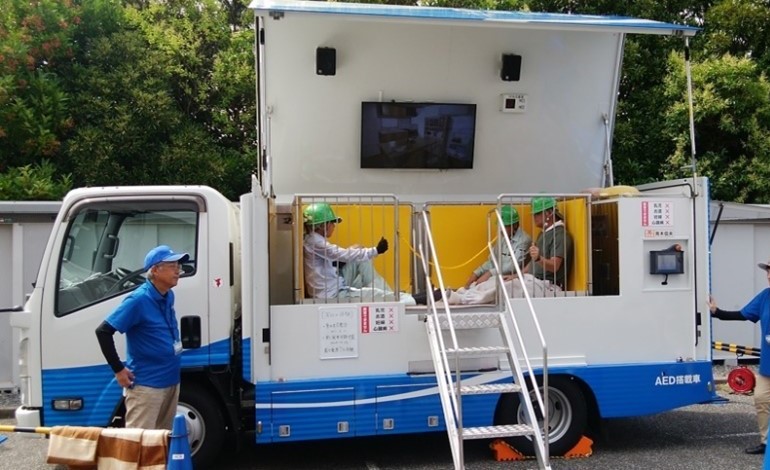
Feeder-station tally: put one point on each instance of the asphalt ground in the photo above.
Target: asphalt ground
(698, 437)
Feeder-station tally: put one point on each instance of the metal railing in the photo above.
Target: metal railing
(365, 218)
(542, 399)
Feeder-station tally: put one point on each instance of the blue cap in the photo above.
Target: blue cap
(162, 254)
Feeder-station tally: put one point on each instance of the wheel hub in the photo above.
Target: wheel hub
(196, 429)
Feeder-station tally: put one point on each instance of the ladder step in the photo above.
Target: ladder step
(489, 388)
(478, 351)
(486, 432)
(470, 320)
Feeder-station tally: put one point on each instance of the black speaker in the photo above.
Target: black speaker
(326, 61)
(511, 70)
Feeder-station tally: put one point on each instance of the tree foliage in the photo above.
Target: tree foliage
(108, 92)
(34, 109)
(129, 92)
(733, 125)
(33, 182)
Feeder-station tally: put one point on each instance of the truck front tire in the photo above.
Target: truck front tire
(205, 424)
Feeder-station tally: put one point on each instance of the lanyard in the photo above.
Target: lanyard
(163, 304)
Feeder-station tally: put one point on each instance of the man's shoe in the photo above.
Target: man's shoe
(758, 449)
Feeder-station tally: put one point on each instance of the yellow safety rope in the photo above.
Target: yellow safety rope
(444, 268)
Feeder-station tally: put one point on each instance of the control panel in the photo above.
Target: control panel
(513, 103)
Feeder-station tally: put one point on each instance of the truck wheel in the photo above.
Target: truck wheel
(567, 416)
(205, 424)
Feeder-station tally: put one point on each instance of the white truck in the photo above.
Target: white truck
(418, 124)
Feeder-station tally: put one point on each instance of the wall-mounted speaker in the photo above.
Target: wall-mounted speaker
(326, 61)
(511, 70)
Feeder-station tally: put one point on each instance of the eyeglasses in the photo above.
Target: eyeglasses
(172, 265)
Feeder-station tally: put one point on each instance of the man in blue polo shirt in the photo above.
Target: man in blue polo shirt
(757, 310)
(150, 377)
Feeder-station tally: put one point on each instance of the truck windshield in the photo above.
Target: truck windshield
(103, 252)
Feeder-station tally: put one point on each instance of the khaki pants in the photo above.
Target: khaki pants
(762, 404)
(151, 408)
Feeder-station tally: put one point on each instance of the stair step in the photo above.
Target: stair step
(486, 432)
(489, 388)
(470, 320)
(478, 351)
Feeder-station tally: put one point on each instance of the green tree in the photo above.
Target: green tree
(732, 123)
(167, 98)
(33, 182)
(141, 92)
(740, 28)
(35, 39)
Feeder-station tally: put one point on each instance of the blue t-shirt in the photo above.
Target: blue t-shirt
(758, 310)
(148, 320)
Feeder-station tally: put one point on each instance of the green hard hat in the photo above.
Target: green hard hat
(510, 215)
(319, 213)
(541, 203)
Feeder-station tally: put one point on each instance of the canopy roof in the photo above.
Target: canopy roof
(514, 19)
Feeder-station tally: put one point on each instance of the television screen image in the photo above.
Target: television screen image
(417, 135)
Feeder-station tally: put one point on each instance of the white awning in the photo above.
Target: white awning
(513, 19)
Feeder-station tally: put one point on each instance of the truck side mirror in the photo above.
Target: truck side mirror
(191, 332)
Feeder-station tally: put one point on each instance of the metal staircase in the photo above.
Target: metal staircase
(442, 325)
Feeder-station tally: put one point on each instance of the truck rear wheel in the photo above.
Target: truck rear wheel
(567, 416)
(205, 424)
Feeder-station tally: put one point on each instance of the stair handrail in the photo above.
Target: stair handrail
(541, 399)
(444, 377)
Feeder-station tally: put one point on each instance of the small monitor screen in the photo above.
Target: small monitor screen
(417, 135)
(666, 262)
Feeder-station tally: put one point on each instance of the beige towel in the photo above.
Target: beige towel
(132, 449)
(154, 449)
(73, 445)
(108, 448)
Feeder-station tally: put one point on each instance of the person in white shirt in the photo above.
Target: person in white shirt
(337, 274)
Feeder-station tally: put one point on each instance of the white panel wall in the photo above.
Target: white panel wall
(739, 244)
(23, 237)
(556, 146)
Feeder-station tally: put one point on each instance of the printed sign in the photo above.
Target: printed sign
(338, 332)
(379, 319)
(686, 379)
(657, 214)
(657, 233)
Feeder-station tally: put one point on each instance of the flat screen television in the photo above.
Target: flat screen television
(417, 135)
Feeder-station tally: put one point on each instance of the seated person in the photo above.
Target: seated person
(333, 272)
(546, 271)
(520, 241)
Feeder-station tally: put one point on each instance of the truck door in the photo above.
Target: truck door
(96, 260)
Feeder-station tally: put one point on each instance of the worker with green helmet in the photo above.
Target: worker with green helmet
(544, 274)
(340, 274)
(552, 251)
(520, 242)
